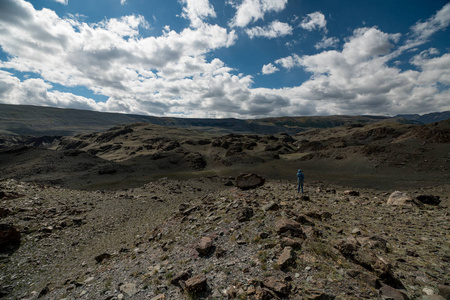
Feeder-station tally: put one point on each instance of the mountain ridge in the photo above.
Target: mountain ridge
(41, 121)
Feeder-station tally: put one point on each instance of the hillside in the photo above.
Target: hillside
(144, 211)
(136, 153)
(39, 121)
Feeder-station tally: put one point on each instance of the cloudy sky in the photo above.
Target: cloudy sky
(227, 58)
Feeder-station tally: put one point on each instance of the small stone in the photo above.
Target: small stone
(428, 291)
(351, 193)
(356, 231)
(244, 214)
(271, 206)
(159, 297)
(129, 288)
(100, 258)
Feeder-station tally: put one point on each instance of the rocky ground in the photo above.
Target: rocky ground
(205, 238)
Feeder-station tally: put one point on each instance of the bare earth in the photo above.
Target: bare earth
(139, 212)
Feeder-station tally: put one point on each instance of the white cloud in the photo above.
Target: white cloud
(273, 30)
(421, 31)
(358, 80)
(331, 42)
(252, 10)
(197, 11)
(315, 20)
(269, 69)
(64, 2)
(175, 72)
(289, 62)
(122, 2)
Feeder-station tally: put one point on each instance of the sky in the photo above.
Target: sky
(227, 59)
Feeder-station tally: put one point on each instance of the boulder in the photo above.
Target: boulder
(244, 214)
(287, 258)
(9, 237)
(195, 284)
(181, 276)
(276, 285)
(348, 247)
(444, 291)
(246, 181)
(4, 212)
(204, 246)
(288, 242)
(399, 198)
(429, 199)
(391, 293)
(286, 225)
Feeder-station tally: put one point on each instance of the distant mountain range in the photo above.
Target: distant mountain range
(41, 121)
(427, 118)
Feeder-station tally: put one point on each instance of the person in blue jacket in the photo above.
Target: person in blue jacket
(300, 178)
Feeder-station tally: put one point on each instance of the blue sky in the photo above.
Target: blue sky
(233, 58)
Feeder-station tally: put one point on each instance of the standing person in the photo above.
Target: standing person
(300, 178)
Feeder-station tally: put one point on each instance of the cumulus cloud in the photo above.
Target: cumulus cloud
(315, 20)
(331, 42)
(358, 79)
(289, 62)
(174, 74)
(269, 69)
(197, 11)
(122, 2)
(252, 10)
(273, 30)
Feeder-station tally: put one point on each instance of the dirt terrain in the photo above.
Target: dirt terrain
(149, 212)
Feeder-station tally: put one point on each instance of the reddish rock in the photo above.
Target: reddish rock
(287, 258)
(276, 285)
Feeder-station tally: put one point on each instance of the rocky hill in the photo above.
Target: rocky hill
(143, 211)
(137, 153)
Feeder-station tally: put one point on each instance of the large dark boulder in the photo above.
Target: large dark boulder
(9, 238)
(248, 181)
